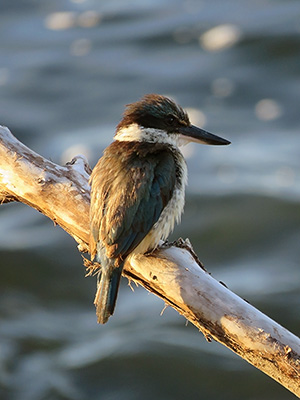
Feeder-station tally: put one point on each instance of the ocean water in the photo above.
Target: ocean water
(67, 68)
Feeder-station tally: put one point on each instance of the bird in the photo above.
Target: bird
(138, 188)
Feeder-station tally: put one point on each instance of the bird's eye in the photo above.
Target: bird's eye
(170, 120)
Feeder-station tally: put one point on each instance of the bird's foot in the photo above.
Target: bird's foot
(166, 245)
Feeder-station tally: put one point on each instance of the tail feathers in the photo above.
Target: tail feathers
(107, 292)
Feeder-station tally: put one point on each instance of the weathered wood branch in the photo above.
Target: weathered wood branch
(173, 273)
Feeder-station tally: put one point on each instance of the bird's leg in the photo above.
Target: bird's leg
(161, 245)
(150, 252)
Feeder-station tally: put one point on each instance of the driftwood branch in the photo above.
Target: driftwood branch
(173, 273)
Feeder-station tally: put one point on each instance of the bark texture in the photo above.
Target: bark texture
(173, 273)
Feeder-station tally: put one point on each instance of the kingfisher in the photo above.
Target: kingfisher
(138, 188)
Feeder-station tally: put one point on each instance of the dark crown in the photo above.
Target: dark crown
(155, 111)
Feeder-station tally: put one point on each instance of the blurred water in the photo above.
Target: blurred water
(66, 70)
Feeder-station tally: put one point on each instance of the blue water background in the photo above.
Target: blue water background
(66, 70)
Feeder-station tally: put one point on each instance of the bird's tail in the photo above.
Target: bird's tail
(107, 291)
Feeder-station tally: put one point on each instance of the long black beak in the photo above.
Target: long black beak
(195, 134)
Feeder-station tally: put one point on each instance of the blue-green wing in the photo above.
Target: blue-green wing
(128, 196)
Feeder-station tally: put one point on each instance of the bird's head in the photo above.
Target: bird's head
(157, 119)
